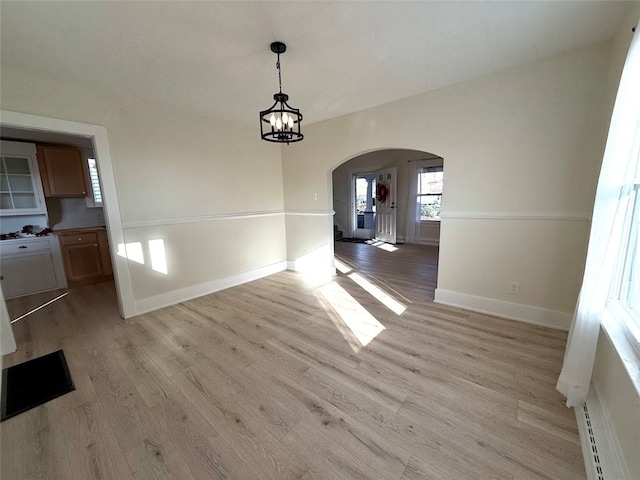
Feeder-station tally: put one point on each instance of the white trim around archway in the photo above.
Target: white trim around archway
(98, 135)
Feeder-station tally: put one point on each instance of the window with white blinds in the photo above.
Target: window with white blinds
(95, 182)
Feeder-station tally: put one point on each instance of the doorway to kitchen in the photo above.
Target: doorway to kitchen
(58, 240)
(97, 141)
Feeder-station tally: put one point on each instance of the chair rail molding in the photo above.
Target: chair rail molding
(201, 218)
(569, 216)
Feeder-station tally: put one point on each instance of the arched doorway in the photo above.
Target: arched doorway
(414, 180)
(419, 174)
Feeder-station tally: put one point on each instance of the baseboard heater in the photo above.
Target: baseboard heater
(593, 455)
(603, 457)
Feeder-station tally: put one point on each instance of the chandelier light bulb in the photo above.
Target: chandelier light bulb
(272, 120)
(278, 124)
(290, 122)
(285, 118)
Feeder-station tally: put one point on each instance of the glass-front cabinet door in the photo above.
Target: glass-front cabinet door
(20, 187)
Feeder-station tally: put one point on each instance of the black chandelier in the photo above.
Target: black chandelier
(281, 122)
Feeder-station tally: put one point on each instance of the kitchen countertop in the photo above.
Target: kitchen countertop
(78, 230)
(23, 239)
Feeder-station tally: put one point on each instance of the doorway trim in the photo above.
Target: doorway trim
(111, 206)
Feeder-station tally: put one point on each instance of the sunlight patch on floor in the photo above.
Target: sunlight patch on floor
(313, 266)
(383, 245)
(341, 267)
(362, 324)
(384, 298)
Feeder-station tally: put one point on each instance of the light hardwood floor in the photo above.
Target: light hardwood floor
(267, 381)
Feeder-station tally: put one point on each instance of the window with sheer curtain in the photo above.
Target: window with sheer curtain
(425, 188)
(625, 288)
(429, 196)
(611, 283)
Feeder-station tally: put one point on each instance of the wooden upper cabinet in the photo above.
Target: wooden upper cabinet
(62, 171)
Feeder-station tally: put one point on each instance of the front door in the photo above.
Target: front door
(363, 205)
(386, 205)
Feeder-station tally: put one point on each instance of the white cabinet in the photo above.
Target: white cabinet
(30, 265)
(26, 274)
(20, 186)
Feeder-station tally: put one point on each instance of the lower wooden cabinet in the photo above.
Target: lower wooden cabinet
(105, 256)
(86, 256)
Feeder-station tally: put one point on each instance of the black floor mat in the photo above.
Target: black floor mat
(33, 383)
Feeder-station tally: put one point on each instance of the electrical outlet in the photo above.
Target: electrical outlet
(514, 288)
(315, 196)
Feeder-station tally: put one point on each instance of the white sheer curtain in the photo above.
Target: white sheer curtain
(607, 231)
(413, 207)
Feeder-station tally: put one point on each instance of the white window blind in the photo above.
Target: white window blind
(95, 181)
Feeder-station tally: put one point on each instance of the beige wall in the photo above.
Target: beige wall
(526, 142)
(201, 252)
(430, 233)
(169, 165)
(548, 270)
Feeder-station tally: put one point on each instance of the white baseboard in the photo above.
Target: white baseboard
(434, 243)
(171, 298)
(603, 457)
(329, 271)
(500, 308)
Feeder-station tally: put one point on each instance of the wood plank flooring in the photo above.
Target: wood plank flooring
(270, 380)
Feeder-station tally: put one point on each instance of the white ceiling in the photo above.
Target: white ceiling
(214, 57)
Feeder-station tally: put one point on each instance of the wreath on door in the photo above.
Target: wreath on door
(381, 192)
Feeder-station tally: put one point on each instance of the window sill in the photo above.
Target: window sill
(91, 203)
(621, 338)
